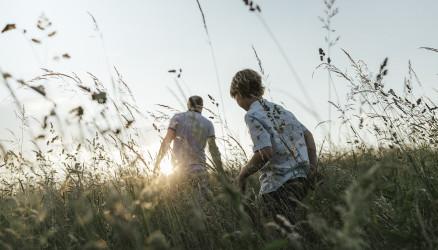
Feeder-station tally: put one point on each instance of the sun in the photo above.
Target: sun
(166, 167)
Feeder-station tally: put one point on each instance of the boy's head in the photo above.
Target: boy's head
(195, 103)
(248, 83)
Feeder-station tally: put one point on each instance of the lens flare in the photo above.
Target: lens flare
(166, 167)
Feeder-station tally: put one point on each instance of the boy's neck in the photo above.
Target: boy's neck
(250, 101)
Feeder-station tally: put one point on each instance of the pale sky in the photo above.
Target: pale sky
(144, 39)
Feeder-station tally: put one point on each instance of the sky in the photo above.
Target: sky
(145, 39)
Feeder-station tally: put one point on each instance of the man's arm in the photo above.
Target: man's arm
(215, 154)
(258, 160)
(165, 145)
(311, 148)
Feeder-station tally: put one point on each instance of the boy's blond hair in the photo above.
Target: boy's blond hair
(248, 83)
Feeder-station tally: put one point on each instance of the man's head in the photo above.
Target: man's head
(246, 86)
(195, 103)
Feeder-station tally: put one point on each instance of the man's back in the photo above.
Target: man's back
(191, 133)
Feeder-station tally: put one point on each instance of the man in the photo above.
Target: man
(284, 149)
(190, 132)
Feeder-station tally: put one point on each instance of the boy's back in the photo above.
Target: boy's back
(270, 125)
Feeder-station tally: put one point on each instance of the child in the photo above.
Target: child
(284, 149)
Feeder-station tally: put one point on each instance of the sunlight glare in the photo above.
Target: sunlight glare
(166, 167)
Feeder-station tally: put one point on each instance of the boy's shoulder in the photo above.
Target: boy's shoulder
(253, 114)
(256, 113)
(260, 109)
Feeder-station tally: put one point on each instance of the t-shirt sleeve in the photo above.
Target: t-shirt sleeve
(173, 124)
(302, 126)
(259, 135)
(296, 122)
(211, 130)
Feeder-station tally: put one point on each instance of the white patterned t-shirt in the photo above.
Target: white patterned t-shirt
(270, 125)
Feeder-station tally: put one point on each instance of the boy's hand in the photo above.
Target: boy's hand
(311, 172)
(258, 160)
(241, 183)
(314, 177)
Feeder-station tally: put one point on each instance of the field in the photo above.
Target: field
(377, 193)
(372, 196)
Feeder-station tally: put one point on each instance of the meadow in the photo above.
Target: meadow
(377, 193)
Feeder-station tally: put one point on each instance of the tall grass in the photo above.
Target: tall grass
(98, 192)
(373, 196)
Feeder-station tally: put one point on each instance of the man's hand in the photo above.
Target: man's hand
(165, 145)
(241, 183)
(215, 155)
(156, 167)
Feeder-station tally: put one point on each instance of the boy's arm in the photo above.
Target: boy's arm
(215, 154)
(165, 145)
(258, 160)
(311, 148)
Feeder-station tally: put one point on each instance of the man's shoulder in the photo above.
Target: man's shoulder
(179, 114)
(200, 118)
(206, 120)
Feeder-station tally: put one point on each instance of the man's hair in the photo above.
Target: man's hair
(195, 102)
(248, 83)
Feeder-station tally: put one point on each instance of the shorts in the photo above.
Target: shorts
(285, 200)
